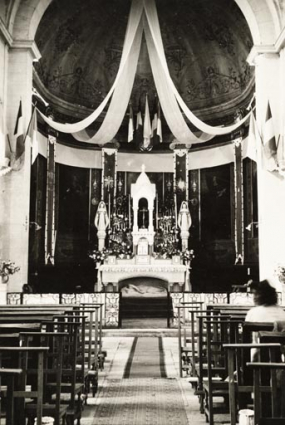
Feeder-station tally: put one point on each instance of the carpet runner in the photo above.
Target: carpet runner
(145, 396)
(146, 359)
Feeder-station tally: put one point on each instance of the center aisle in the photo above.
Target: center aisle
(146, 359)
(141, 386)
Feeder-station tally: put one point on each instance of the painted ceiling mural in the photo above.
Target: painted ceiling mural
(206, 45)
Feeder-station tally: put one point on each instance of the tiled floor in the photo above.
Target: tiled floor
(118, 349)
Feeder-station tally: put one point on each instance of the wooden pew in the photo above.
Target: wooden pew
(238, 382)
(20, 356)
(220, 330)
(73, 372)
(98, 328)
(186, 337)
(277, 397)
(94, 345)
(10, 375)
(47, 319)
(52, 374)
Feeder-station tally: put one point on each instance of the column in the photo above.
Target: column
(271, 185)
(50, 231)
(238, 185)
(150, 220)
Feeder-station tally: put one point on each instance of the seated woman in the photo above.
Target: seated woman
(266, 308)
(266, 304)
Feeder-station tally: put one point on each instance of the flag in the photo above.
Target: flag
(38, 96)
(131, 125)
(147, 145)
(32, 134)
(19, 134)
(269, 142)
(139, 130)
(253, 139)
(156, 128)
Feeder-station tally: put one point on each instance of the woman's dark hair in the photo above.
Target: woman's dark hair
(264, 293)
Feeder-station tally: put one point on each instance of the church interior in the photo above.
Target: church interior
(142, 177)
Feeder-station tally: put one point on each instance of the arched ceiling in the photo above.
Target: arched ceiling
(206, 44)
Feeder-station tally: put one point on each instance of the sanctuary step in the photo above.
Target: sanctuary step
(133, 332)
(139, 307)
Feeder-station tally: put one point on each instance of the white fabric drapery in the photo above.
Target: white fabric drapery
(154, 163)
(154, 28)
(120, 99)
(143, 15)
(169, 105)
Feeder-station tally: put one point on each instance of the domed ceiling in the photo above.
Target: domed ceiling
(206, 45)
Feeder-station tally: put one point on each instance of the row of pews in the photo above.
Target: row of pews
(49, 361)
(229, 372)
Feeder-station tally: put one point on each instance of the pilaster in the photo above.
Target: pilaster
(16, 185)
(271, 185)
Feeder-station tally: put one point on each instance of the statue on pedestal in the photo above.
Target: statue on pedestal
(101, 222)
(184, 222)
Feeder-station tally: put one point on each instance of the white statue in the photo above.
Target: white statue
(184, 222)
(101, 222)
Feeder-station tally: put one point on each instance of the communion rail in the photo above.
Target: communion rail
(112, 302)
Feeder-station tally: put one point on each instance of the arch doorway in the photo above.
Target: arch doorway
(144, 303)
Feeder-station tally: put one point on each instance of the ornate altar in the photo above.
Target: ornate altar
(145, 262)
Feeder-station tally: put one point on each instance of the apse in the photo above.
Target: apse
(206, 46)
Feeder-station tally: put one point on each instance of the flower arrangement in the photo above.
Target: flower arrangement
(97, 256)
(122, 250)
(168, 251)
(188, 255)
(7, 267)
(280, 273)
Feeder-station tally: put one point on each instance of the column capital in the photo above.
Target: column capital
(27, 45)
(269, 51)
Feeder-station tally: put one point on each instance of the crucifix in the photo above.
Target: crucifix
(143, 210)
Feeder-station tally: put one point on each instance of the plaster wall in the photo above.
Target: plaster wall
(271, 185)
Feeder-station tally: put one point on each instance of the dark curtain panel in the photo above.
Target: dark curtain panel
(73, 214)
(180, 179)
(216, 203)
(95, 197)
(37, 215)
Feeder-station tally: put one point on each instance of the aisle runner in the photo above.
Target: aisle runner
(146, 359)
(144, 401)
(145, 396)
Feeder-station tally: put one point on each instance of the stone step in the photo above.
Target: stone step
(140, 332)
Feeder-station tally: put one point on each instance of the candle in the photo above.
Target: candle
(175, 210)
(130, 224)
(125, 180)
(156, 211)
(109, 206)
